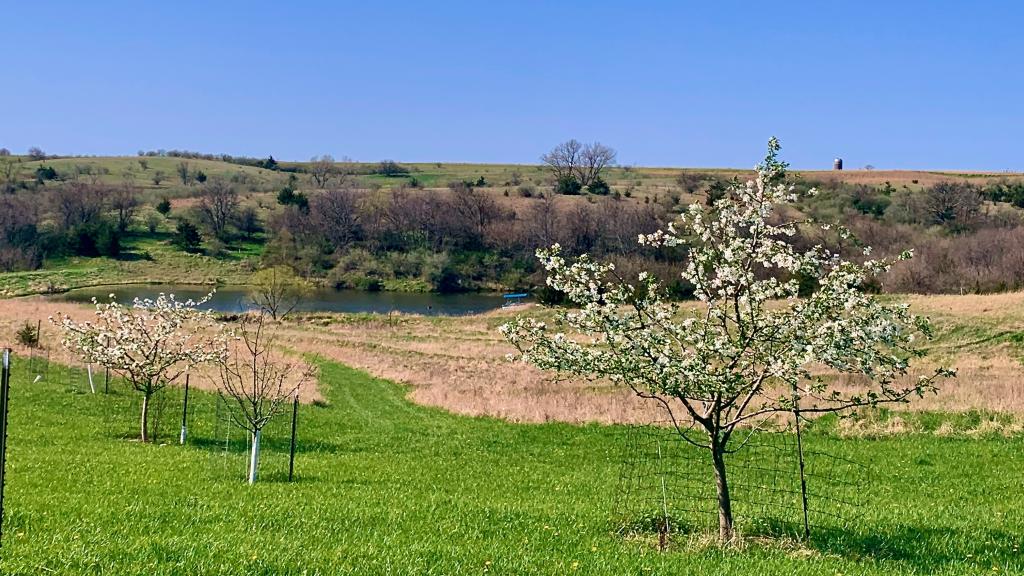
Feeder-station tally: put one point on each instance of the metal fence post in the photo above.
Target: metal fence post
(800, 457)
(291, 453)
(5, 388)
(184, 412)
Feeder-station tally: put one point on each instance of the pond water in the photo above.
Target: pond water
(236, 299)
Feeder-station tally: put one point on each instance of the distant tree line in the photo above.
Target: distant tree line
(268, 163)
(454, 239)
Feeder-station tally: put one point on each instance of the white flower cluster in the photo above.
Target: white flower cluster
(150, 343)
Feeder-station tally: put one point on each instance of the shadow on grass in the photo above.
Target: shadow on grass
(274, 445)
(133, 256)
(928, 549)
(925, 547)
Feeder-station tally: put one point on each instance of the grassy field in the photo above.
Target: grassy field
(388, 487)
(145, 259)
(643, 179)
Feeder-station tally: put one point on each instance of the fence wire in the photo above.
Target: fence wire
(667, 485)
(205, 417)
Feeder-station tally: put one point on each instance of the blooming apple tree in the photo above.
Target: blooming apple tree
(151, 343)
(751, 347)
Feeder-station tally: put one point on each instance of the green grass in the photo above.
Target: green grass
(388, 487)
(145, 259)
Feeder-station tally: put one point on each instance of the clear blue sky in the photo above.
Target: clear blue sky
(914, 84)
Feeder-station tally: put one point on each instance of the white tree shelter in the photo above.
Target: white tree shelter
(151, 344)
(750, 347)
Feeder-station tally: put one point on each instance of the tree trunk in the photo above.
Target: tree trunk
(254, 457)
(145, 416)
(725, 526)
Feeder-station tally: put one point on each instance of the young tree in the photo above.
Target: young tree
(158, 177)
(256, 384)
(151, 343)
(278, 290)
(749, 349)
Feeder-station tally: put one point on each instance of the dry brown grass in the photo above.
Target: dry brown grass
(459, 363)
(15, 312)
(911, 178)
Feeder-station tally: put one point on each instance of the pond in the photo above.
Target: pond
(236, 299)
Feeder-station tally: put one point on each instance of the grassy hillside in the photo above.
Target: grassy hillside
(387, 487)
(642, 180)
(146, 259)
(516, 189)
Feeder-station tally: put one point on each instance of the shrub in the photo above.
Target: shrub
(28, 335)
(289, 197)
(526, 191)
(164, 207)
(447, 280)
(153, 222)
(599, 187)
(93, 239)
(568, 185)
(187, 237)
(44, 173)
(390, 168)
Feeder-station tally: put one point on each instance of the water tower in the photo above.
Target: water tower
(837, 164)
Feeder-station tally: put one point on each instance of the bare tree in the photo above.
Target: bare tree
(124, 200)
(336, 213)
(593, 159)
(77, 203)
(278, 290)
(19, 233)
(952, 203)
(475, 210)
(36, 153)
(256, 384)
(564, 159)
(218, 205)
(321, 169)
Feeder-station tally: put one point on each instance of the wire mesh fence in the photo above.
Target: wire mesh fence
(667, 485)
(231, 446)
(176, 415)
